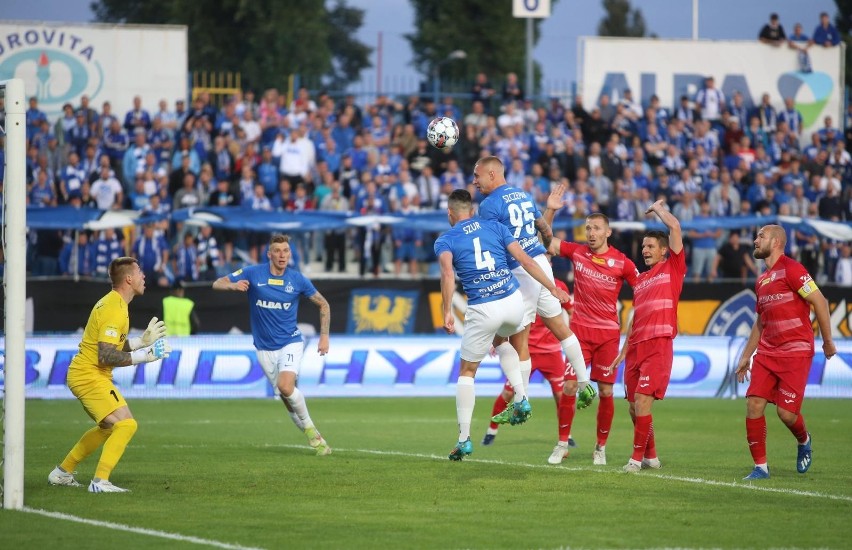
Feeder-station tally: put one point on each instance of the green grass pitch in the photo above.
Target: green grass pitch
(237, 474)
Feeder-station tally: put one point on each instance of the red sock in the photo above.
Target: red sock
(640, 436)
(606, 410)
(651, 447)
(798, 429)
(756, 436)
(565, 413)
(499, 406)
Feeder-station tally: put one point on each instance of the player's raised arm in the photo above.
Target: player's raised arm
(675, 234)
(554, 202)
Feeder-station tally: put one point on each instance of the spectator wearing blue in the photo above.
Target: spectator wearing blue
(186, 260)
(767, 115)
(72, 177)
(79, 258)
(406, 240)
(161, 141)
(772, 33)
(42, 194)
(703, 241)
(800, 42)
(134, 158)
(152, 251)
(34, 118)
(791, 116)
(63, 124)
(137, 117)
(106, 248)
(115, 144)
(825, 34)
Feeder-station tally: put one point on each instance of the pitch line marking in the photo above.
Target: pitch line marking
(695, 480)
(137, 530)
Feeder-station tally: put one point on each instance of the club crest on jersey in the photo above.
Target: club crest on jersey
(610, 262)
(289, 288)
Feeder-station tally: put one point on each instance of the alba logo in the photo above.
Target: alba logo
(57, 67)
(810, 92)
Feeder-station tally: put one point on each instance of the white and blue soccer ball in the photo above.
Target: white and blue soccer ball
(442, 133)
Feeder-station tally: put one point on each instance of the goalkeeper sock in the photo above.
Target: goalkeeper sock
(122, 433)
(88, 444)
(465, 401)
(606, 410)
(756, 437)
(565, 413)
(297, 404)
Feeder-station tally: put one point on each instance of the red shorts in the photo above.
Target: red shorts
(780, 380)
(600, 348)
(552, 366)
(648, 367)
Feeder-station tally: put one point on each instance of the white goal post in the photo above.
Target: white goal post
(15, 285)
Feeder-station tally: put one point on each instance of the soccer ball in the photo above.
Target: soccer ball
(442, 133)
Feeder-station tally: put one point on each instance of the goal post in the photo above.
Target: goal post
(14, 282)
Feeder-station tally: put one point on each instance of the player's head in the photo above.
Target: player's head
(279, 251)
(655, 244)
(770, 241)
(488, 174)
(459, 206)
(597, 231)
(125, 272)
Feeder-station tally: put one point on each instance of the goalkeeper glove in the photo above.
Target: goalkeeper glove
(156, 330)
(156, 351)
(585, 395)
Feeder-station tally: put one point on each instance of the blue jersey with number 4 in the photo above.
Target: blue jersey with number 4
(274, 304)
(516, 210)
(479, 257)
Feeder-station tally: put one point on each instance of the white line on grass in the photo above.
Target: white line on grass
(137, 530)
(695, 480)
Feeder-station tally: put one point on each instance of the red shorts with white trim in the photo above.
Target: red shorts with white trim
(648, 367)
(600, 348)
(780, 380)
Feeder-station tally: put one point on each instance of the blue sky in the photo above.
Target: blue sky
(557, 49)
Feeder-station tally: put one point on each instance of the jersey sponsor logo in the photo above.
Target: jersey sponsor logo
(270, 304)
(275, 282)
(769, 298)
(237, 272)
(489, 275)
(767, 280)
(660, 278)
(382, 311)
(599, 261)
(786, 393)
(111, 332)
(580, 267)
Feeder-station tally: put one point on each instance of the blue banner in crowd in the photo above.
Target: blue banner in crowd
(226, 367)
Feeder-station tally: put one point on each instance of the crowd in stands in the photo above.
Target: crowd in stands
(709, 156)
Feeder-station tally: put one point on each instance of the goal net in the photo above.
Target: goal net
(13, 242)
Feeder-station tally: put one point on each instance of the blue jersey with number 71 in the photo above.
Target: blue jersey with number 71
(479, 257)
(516, 210)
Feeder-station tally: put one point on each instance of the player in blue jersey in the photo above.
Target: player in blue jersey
(517, 211)
(479, 250)
(273, 293)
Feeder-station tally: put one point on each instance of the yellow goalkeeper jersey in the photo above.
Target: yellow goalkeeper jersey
(109, 322)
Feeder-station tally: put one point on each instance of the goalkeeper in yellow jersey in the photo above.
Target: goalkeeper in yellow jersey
(105, 346)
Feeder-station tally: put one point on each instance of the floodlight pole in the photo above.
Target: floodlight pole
(15, 282)
(436, 74)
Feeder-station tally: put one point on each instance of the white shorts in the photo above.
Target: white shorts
(503, 317)
(537, 299)
(286, 359)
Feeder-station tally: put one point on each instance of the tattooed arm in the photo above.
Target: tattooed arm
(325, 321)
(111, 356)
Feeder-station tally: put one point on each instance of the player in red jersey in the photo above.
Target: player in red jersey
(649, 346)
(599, 271)
(547, 357)
(784, 339)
